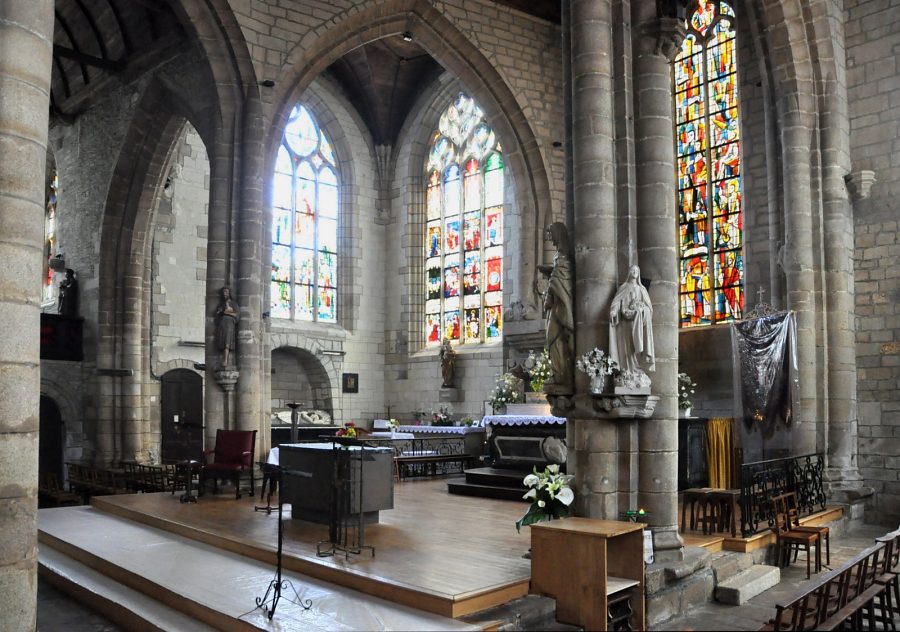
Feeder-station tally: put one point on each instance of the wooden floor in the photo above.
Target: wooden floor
(449, 555)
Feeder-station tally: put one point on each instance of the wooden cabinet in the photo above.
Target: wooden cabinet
(585, 564)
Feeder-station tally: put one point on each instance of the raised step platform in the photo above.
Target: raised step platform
(747, 584)
(210, 585)
(490, 482)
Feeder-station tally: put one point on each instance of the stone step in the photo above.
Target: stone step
(130, 609)
(496, 476)
(727, 564)
(461, 487)
(747, 584)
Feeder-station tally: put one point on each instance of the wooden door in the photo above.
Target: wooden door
(182, 415)
(51, 440)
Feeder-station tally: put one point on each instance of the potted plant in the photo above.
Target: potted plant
(550, 496)
(538, 369)
(506, 391)
(597, 365)
(685, 391)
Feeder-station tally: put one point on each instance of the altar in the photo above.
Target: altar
(310, 498)
(523, 440)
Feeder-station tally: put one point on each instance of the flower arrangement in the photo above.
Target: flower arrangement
(550, 496)
(393, 424)
(596, 363)
(506, 391)
(539, 369)
(685, 390)
(441, 416)
(348, 431)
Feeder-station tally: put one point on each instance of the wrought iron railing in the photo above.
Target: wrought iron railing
(762, 480)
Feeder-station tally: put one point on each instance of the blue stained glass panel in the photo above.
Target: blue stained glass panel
(433, 240)
(726, 161)
(304, 266)
(281, 227)
(725, 127)
(691, 138)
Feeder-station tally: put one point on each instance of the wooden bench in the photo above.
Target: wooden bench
(838, 596)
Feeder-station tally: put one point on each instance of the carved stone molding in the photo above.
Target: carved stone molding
(226, 378)
(669, 34)
(605, 406)
(859, 184)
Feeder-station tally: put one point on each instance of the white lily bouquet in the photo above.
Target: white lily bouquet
(550, 496)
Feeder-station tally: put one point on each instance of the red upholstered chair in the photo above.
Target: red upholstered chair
(232, 457)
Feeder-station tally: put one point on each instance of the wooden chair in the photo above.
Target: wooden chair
(888, 575)
(794, 515)
(791, 541)
(231, 458)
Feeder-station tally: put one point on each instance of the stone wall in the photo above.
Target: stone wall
(873, 75)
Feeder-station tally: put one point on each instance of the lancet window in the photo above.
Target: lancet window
(464, 229)
(708, 150)
(304, 223)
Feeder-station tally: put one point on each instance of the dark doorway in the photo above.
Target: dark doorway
(52, 440)
(182, 415)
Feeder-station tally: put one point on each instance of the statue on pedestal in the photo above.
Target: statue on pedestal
(227, 317)
(558, 310)
(631, 333)
(448, 360)
(67, 305)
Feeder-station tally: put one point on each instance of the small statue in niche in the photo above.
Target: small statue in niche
(448, 361)
(631, 332)
(227, 317)
(558, 312)
(68, 295)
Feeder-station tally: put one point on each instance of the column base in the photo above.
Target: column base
(667, 544)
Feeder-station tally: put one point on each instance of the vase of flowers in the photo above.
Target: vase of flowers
(549, 493)
(538, 369)
(685, 392)
(348, 431)
(598, 366)
(506, 391)
(441, 416)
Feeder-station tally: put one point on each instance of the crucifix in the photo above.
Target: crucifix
(760, 293)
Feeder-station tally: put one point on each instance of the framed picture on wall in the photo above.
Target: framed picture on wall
(350, 383)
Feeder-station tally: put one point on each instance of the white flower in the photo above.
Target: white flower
(541, 504)
(531, 493)
(553, 468)
(531, 480)
(565, 496)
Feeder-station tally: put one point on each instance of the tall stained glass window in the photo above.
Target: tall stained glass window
(49, 288)
(707, 130)
(304, 223)
(464, 229)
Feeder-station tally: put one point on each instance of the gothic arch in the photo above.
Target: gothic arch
(449, 47)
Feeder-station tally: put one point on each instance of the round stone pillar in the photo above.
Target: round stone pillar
(593, 455)
(655, 40)
(26, 47)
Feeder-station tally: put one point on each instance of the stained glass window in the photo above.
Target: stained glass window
(463, 229)
(708, 150)
(49, 288)
(304, 223)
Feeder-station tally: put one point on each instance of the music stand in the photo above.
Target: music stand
(339, 523)
(278, 584)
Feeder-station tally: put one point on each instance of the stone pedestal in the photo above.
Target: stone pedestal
(449, 394)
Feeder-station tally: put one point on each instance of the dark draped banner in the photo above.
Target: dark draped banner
(766, 360)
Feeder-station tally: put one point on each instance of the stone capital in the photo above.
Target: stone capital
(859, 184)
(666, 34)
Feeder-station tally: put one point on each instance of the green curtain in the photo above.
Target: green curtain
(719, 449)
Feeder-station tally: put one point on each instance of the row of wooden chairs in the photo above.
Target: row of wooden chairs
(793, 537)
(140, 477)
(88, 481)
(861, 594)
(52, 494)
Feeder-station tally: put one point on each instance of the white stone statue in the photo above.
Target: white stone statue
(631, 333)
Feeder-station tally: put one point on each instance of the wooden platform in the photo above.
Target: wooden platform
(446, 555)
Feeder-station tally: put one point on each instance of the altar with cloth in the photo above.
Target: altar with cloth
(524, 441)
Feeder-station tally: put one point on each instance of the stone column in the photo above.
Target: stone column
(840, 323)
(593, 445)
(26, 45)
(249, 267)
(221, 164)
(655, 41)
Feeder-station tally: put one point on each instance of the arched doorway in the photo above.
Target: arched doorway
(182, 415)
(52, 439)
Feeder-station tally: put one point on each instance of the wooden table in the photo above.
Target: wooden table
(586, 564)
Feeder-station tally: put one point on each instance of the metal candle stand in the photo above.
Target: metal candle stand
(278, 584)
(340, 522)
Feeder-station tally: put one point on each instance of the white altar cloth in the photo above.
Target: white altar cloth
(392, 435)
(461, 430)
(522, 420)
